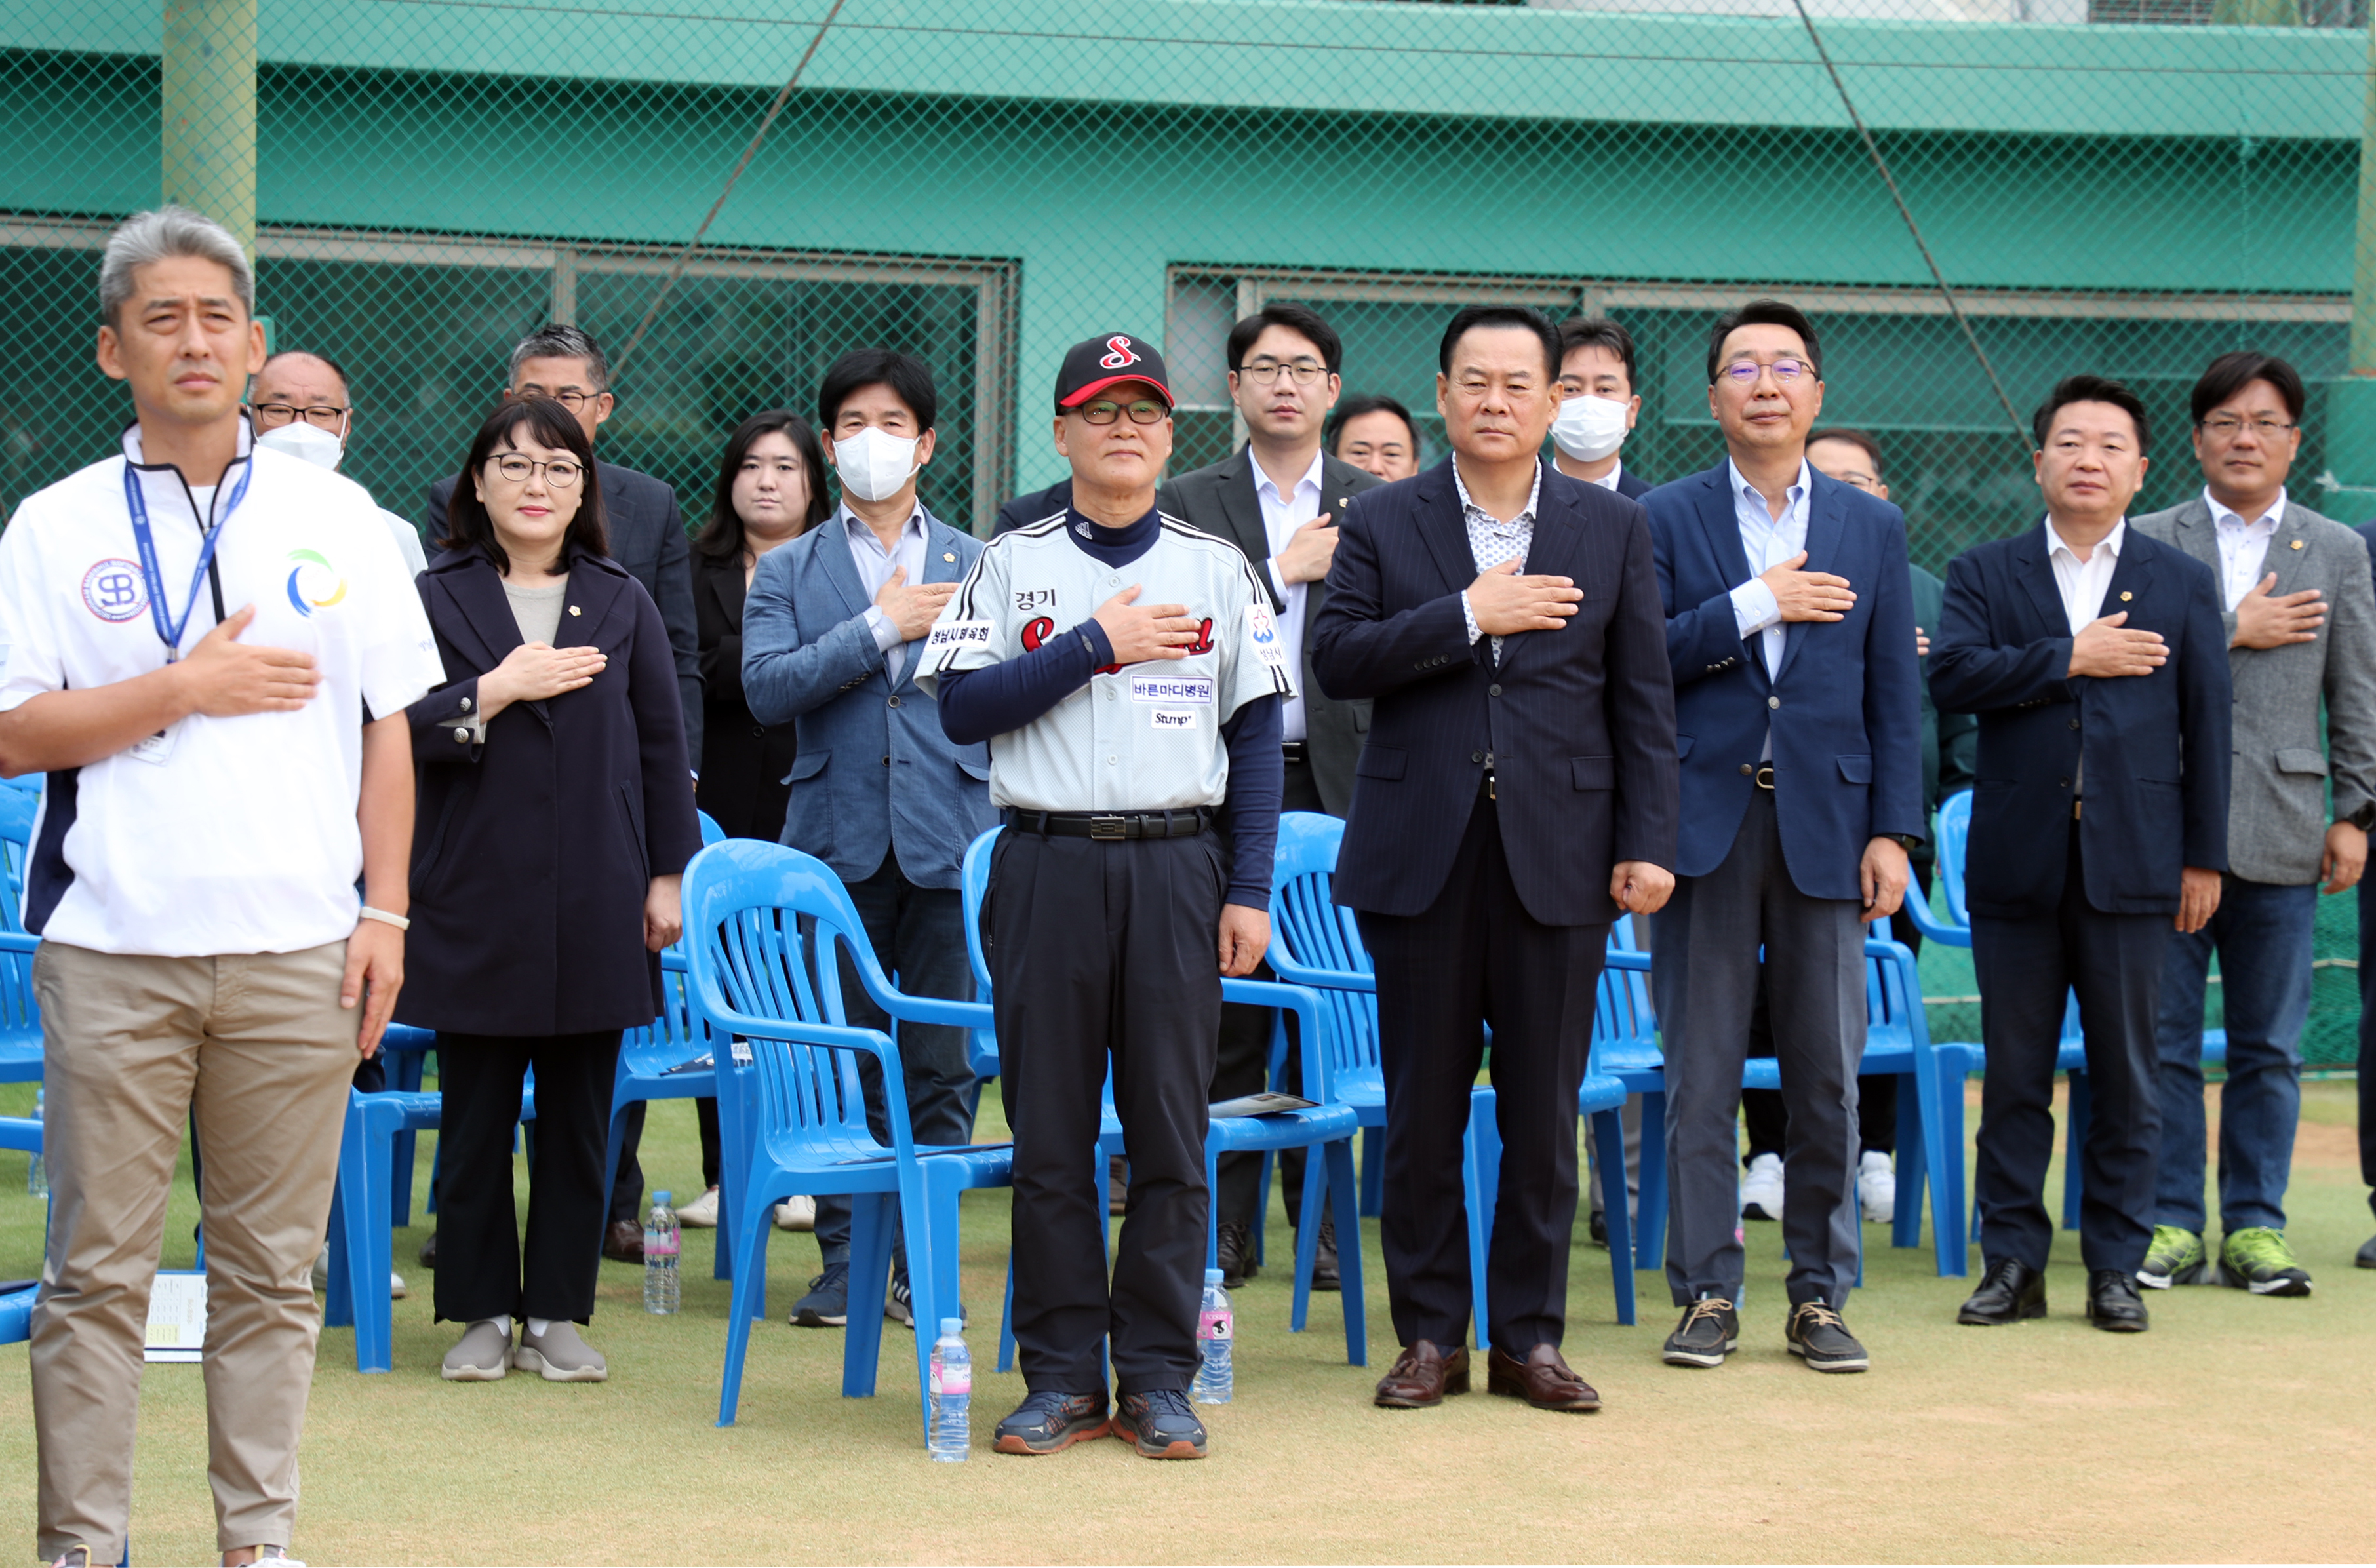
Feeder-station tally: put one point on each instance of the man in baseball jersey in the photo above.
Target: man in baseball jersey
(1127, 674)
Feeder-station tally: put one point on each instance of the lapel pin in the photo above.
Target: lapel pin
(2126, 596)
(951, 555)
(2297, 544)
(574, 609)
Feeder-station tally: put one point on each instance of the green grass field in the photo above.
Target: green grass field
(2238, 1429)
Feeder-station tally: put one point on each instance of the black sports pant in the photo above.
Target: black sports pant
(2027, 968)
(481, 1270)
(1105, 952)
(1475, 956)
(1245, 1058)
(2368, 1036)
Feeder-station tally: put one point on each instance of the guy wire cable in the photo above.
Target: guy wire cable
(758, 137)
(1881, 165)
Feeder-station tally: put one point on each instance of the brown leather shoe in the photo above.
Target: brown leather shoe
(623, 1243)
(1422, 1375)
(1542, 1379)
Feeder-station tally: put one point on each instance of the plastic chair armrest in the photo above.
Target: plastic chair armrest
(1295, 973)
(1311, 1021)
(18, 942)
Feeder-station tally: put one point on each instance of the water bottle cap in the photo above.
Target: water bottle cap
(1212, 1276)
(660, 1200)
(952, 1327)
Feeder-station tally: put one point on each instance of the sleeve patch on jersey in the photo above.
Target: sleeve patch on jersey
(1174, 689)
(950, 635)
(1174, 718)
(1261, 629)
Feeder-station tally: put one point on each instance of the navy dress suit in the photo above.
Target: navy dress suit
(1489, 807)
(1770, 858)
(2368, 1001)
(1630, 485)
(2064, 897)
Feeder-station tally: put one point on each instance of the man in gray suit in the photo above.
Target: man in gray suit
(1278, 499)
(2301, 626)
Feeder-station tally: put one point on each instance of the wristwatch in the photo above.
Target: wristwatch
(2364, 818)
(1909, 842)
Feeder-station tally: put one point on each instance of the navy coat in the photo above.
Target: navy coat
(2156, 747)
(1844, 706)
(1580, 721)
(532, 854)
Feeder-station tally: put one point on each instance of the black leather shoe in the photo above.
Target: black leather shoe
(1235, 1255)
(1598, 1226)
(1325, 1274)
(2010, 1292)
(2367, 1256)
(429, 1251)
(2113, 1304)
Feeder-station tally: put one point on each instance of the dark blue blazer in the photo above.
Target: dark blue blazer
(531, 854)
(1633, 486)
(2156, 747)
(1580, 721)
(1845, 707)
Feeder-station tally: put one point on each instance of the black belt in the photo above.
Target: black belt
(1295, 751)
(1184, 823)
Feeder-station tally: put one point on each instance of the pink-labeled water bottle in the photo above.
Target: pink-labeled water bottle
(1215, 1335)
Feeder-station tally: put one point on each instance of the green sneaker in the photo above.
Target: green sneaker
(2258, 1259)
(2176, 1258)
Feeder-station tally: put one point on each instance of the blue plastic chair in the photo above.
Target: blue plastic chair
(20, 1016)
(1329, 1126)
(758, 979)
(1317, 944)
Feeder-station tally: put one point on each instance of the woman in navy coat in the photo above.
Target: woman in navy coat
(554, 819)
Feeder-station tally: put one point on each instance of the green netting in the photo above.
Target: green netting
(2126, 186)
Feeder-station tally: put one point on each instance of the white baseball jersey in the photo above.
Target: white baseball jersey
(1140, 737)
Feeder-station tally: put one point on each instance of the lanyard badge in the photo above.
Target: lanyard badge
(169, 628)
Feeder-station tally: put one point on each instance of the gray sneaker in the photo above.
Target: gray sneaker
(560, 1356)
(482, 1355)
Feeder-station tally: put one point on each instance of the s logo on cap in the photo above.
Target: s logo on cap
(1122, 352)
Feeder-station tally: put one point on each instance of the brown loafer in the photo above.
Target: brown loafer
(623, 1243)
(1422, 1375)
(1542, 1379)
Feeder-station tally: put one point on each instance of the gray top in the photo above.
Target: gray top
(538, 610)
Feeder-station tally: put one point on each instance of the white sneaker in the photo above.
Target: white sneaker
(395, 1290)
(701, 1214)
(796, 1213)
(1877, 1187)
(1761, 1190)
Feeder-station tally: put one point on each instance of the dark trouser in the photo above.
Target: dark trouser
(2368, 1037)
(918, 935)
(2027, 969)
(627, 1187)
(1474, 957)
(1242, 1067)
(2263, 935)
(1103, 959)
(1704, 974)
(481, 1272)
(1762, 1116)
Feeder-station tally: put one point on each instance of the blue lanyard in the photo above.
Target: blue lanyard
(169, 631)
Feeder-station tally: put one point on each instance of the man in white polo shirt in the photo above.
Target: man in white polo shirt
(197, 643)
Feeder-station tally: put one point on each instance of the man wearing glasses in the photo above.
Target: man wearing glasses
(1790, 631)
(2302, 631)
(1278, 498)
(647, 538)
(303, 404)
(1125, 670)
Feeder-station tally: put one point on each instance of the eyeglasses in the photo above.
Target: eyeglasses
(1105, 411)
(562, 473)
(322, 416)
(2225, 426)
(1304, 369)
(569, 397)
(1787, 370)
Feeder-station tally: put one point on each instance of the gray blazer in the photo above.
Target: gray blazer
(875, 772)
(1219, 499)
(2277, 808)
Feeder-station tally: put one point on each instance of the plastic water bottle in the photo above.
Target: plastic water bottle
(952, 1394)
(1216, 1332)
(661, 1244)
(37, 1177)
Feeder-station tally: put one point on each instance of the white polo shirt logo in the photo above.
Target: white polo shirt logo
(313, 583)
(112, 590)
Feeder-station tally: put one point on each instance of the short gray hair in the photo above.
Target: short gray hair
(161, 236)
(554, 341)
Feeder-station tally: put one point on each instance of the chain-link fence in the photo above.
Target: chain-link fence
(2124, 186)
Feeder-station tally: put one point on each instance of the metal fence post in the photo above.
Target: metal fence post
(2351, 402)
(208, 135)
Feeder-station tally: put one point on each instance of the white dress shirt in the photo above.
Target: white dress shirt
(2082, 585)
(1282, 515)
(1767, 541)
(1609, 480)
(1492, 541)
(2243, 547)
(874, 565)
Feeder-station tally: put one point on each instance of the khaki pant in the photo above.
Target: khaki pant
(260, 1047)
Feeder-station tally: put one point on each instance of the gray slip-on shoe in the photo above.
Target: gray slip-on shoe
(482, 1355)
(558, 1355)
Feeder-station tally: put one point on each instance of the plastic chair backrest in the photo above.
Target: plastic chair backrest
(1311, 931)
(1954, 830)
(746, 904)
(18, 807)
(973, 880)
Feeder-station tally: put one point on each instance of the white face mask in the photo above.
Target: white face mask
(874, 463)
(1588, 428)
(300, 439)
